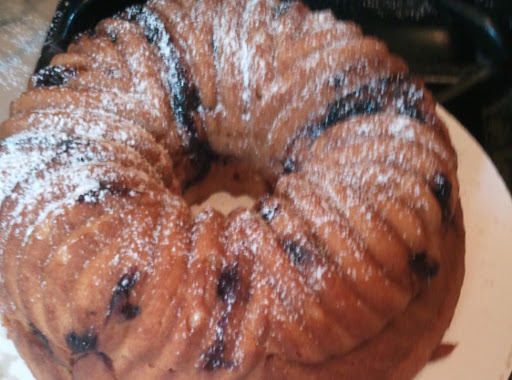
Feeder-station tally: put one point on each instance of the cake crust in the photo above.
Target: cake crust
(348, 266)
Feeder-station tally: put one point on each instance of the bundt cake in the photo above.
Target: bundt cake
(348, 266)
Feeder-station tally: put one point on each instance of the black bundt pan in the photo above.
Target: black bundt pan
(451, 44)
(401, 23)
(73, 17)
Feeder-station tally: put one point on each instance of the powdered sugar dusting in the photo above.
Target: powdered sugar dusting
(306, 274)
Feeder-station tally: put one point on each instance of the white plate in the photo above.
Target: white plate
(482, 326)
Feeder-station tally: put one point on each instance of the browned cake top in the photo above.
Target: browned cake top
(357, 245)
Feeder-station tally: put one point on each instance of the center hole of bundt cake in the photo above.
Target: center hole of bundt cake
(228, 185)
(223, 202)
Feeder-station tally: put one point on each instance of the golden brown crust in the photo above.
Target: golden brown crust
(350, 264)
(400, 350)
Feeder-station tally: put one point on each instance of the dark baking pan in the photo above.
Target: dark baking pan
(442, 40)
(73, 17)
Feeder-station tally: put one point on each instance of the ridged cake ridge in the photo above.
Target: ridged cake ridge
(354, 259)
